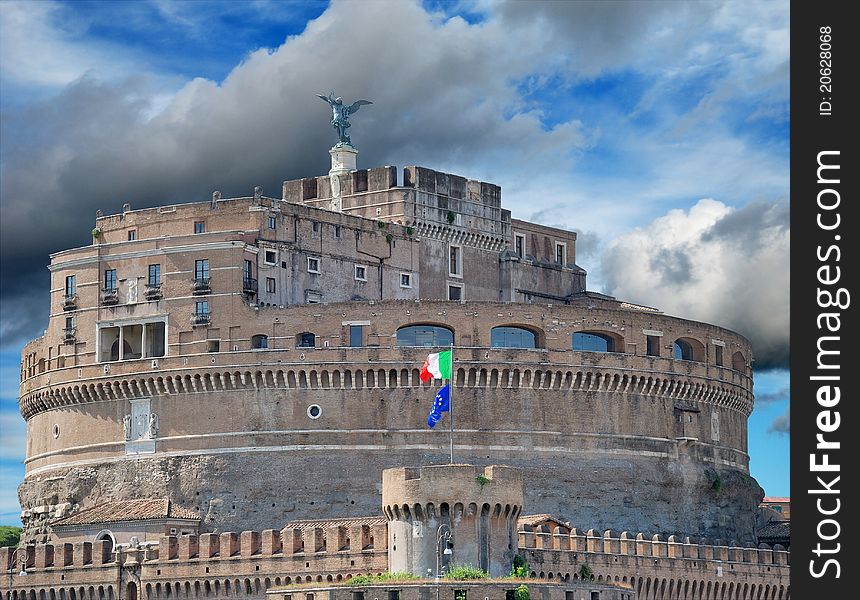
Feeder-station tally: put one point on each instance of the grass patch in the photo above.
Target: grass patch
(466, 572)
(382, 578)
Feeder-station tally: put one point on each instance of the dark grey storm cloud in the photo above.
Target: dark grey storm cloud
(446, 94)
(715, 264)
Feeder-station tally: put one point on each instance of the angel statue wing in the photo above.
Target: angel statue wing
(326, 98)
(356, 105)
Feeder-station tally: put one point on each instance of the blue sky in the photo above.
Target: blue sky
(657, 130)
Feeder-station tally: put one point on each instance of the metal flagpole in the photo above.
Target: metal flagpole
(451, 401)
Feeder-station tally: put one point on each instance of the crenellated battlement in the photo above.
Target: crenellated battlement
(643, 545)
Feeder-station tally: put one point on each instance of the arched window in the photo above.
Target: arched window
(106, 534)
(259, 342)
(739, 363)
(688, 349)
(424, 335)
(588, 341)
(512, 337)
(306, 340)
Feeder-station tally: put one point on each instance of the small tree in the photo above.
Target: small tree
(585, 572)
(522, 593)
(519, 568)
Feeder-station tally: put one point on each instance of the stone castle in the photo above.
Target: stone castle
(241, 364)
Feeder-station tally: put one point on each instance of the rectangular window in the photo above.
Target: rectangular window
(718, 355)
(406, 280)
(201, 307)
(313, 297)
(455, 292)
(132, 235)
(653, 343)
(110, 279)
(154, 275)
(201, 269)
(360, 273)
(595, 595)
(70, 285)
(313, 264)
(270, 257)
(460, 595)
(393, 594)
(337, 231)
(273, 223)
(356, 336)
(199, 227)
(270, 285)
(70, 323)
(315, 227)
(246, 270)
(561, 253)
(455, 264)
(520, 245)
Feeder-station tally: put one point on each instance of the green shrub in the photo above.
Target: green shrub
(585, 573)
(466, 572)
(9, 536)
(522, 593)
(381, 578)
(519, 568)
(482, 480)
(714, 479)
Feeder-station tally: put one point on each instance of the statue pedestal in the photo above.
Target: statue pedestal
(342, 159)
(342, 163)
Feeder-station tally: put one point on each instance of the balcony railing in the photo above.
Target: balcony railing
(249, 286)
(110, 296)
(200, 319)
(69, 335)
(200, 287)
(153, 292)
(70, 302)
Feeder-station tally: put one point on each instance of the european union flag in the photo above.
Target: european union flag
(441, 403)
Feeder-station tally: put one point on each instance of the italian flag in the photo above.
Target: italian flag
(437, 366)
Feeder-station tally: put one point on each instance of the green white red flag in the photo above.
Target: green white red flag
(437, 366)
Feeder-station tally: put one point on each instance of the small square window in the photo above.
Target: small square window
(455, 292)
(313, 264)
(406, 280)
(313, 297)
(270, 285)
(273, 223)
(360, 273)
(132, 235)
(199, 227)
(201, 307)
(270, 257)
(283, 264)
(520, 245)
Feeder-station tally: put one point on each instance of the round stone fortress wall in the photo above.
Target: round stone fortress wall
(257, 438)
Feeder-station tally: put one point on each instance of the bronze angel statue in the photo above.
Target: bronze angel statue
(340, 115)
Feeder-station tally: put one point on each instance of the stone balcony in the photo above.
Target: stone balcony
(200, 320)
(110, 296)
(153, 292)
(201, 287)
(70, 302)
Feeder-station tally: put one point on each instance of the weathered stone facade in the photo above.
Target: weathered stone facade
(257, 359)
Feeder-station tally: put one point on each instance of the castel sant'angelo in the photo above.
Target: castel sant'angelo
(227, 400)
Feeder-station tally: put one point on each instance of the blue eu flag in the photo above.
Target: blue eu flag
(441, 403)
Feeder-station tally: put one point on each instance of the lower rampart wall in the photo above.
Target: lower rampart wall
(659, 569)
(244, 565)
